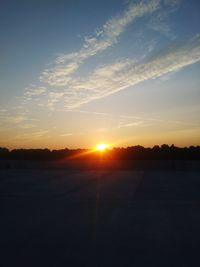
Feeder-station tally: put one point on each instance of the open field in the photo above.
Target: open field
(99, 217)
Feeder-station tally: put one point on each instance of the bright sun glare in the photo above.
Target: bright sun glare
(101, 147)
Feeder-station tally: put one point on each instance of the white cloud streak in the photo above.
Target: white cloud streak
(67, 65)
(130, 124)
(35, 91)
(132, 119)
(105, 80)
(66, 134)
(31, 136)
(120, 75)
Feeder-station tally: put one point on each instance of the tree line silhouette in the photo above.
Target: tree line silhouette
(162, 152)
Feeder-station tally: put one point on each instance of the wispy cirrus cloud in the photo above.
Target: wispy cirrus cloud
(31, 136)
(53, 98)
(120, 75)
(67, 65)
(132, 120)
(14, 118)
(62, 82)
(66, 134)
(32, 93)
(34, 90)
(159, 22)
(130, 124)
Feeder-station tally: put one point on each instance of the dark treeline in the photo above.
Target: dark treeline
(129, 153)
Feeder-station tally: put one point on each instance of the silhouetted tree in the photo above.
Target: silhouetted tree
(130, 153)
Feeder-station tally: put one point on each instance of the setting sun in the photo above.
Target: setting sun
(101, 147)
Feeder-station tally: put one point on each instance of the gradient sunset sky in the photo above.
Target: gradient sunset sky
(75, 73)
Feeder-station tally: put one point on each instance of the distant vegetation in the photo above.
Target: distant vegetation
(130, 153)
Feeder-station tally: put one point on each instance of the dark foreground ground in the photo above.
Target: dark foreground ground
(62, 217)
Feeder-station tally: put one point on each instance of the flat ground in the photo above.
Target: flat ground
(55, 217)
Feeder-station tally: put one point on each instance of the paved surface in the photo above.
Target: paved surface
(99, 218)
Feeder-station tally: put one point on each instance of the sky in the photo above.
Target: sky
(76, 73)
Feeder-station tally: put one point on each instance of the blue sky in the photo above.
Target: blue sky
(76, 73)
